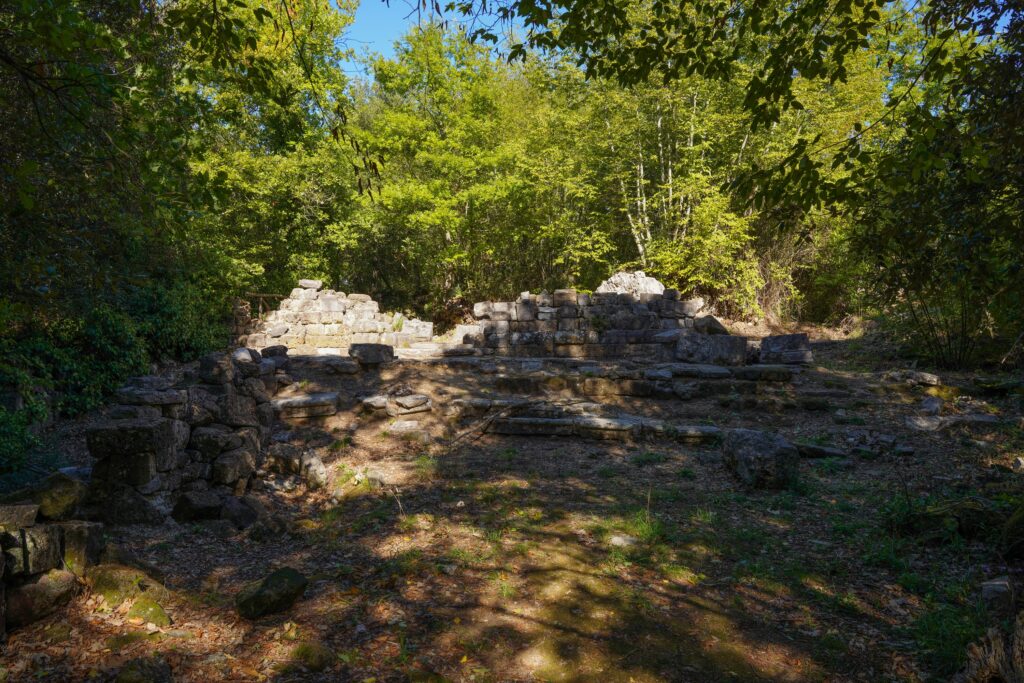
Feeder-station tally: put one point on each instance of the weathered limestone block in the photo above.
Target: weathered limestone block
(312, 405)
(132, 451)
(311, 284)
(39, 597)
(759, 459)
(237, 410)
(501, 310)
(17, 516)
(216, 368)
(82, 545)
(709, 324)
(210, 441)
(565, 297)
(371, 354)
(712, 349)
(197, 505)
(233, 465)
(41, 544)
(786, 349)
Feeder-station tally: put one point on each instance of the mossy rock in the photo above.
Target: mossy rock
(314, 656)
(275, 593)
(150, 611)
(946, 393)
(58, 496)
(117, 583)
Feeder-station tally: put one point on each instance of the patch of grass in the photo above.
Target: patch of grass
(887, 552)
(649, 458)
(314, 656)
(944, 631)
(646, 527)
(606, 471)
(687, 473)
(704, 516)
(426, 467)
(508, 454)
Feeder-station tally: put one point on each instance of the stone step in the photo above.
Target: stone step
(620, 428)
(435, 350)
(306, 405)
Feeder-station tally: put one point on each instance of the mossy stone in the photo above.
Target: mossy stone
(275, 593)
(150, 611)
(314, 656)
(117, 583)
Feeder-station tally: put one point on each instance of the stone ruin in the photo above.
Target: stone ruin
(315, 321)
(630, 315)
(187, 449)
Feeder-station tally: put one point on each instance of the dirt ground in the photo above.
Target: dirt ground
(558, 559)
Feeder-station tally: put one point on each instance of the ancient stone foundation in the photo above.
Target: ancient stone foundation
(317, 321)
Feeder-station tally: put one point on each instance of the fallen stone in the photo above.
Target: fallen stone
(786, 349)
(622, 541)
(139, 396)
(233, 465)
(216, 368)
(116, 583)
(41, 548)
(998, 594)
(17, 516)
(310, 405)
(709, 324)
(285, 458)
(315, 472)
(371, 354)
(39, 597)
(311, 284)
(125, 505)
(275, 593)
(213, 440)
(632, 283)
(931, 406)
(82, 544)
(759, 459)
(196, 505)
(149, 611)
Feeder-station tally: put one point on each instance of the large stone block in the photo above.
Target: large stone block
(565, 297)
(371, 354)
(142, 396)
(41, 547)
(82, 545)
(712, 349)
(131, 451)
(237, 410)
(234, 465)
(311, 284)
(39, 597)
(216, 368)
(759, 459)
(17, 516)
(792, 349)
(312, 405)
(213, 440)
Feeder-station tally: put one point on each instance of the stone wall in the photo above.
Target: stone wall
(657, 326)
(314, 321)
(209, 430)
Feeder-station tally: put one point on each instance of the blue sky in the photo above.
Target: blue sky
(377, 26)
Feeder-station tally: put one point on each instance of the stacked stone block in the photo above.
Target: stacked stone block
(569, 324)
(208, 431)
(314, 321)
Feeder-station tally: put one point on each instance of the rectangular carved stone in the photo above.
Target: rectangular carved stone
(42, 548)
(565, 297)
(17, 516)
